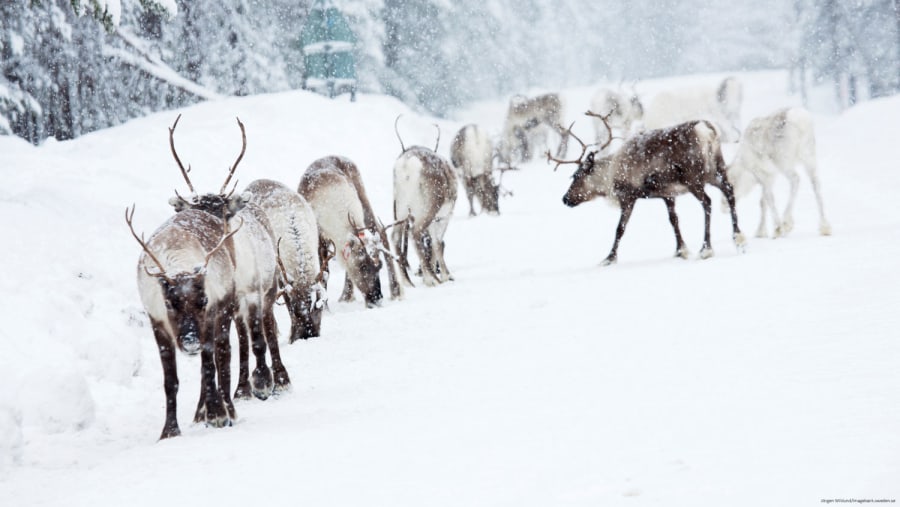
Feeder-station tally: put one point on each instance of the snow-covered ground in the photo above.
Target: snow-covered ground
(537, 378)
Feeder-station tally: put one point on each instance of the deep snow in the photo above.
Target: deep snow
(536, 378)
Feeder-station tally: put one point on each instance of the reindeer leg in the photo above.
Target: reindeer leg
(627, 207)
(788, 221)
(242, 391)
(721, 182)
(401, 245)
(810, 165)
(706, 251)
(223, 360)
(170, 379)
(261, 383)
(470, 184)
(211, 409)
(680, 248)
(769, 198)
(439, 228)
(563, 141)
(270, 328)
(347, 294)
(425, 248)
(761, 231)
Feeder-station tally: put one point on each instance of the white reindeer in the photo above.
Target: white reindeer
(774, 144)
(720, 105)
(623, 112)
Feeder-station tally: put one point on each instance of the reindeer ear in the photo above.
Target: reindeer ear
(178, 203)
(236, 203)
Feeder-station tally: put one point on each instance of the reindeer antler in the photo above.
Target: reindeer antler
(397, 131)
(184, 172)
(222, 241)
(238, 161)
(128, 219)
(438, 142)
(560, 162)
(605, 120)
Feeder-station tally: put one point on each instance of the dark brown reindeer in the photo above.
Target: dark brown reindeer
(303, 264)
(424, 197)
(333, 187)
(186, 283)
(472, 154)
(255, 278)
(662, 163)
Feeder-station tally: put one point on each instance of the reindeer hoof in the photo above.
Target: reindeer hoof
(261, 383)
(683, 252)
(762, 233)
(825, 230)
(282, 380)
(242, 392)
(609, 261)
(706, 252)
(787, 226)
(170, 431)
(213, 414)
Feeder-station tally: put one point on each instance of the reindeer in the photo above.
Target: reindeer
(303, 264)
(660, 164)
(255, 277)
(424, 197)
(472, 154)
(777, 142)
(186, 283)
(623, 111)
(333, 187)
(721, 106)
(527, 117)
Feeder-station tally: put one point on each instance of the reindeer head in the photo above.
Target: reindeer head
(220, 205)
(184, 293)
(306, 303)
(593, 177)
(361, 254)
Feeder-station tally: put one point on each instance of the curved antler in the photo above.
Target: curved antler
(397, 131)
(584, 148)
(438, 142)
(128, 219)
(184, 172)
(238, 161)
(605, 120)
(222, 241)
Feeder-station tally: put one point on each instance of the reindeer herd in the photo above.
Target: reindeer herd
(229, 257)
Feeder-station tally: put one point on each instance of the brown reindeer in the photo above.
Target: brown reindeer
(186, 282)
(662, 164)
(333, 187)
(255, 278)
(526, 118)
(424, 198)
